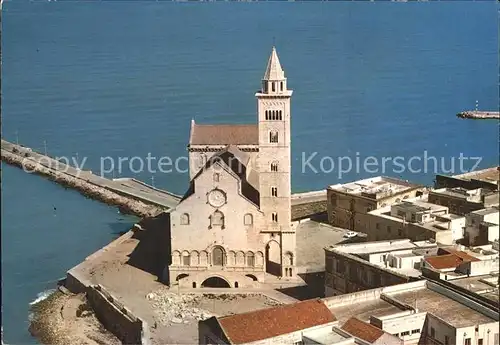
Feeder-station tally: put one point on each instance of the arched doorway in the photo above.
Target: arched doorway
(215, 282)
(273, 258)
(218, 256)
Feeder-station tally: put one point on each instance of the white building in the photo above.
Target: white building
(482, 226)
(234, 223)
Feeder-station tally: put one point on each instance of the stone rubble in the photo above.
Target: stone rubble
(173, 308)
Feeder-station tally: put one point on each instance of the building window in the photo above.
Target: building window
(298, 343)
(186, 260)
(377, 226)
(216, 177)
(273, 136)
(415, 331)
(446, 340)
(405, 333)
(281, 86)
(273, 85)
(274, 191)
(400, 232)
(496, 339)
(480, 342)
(248, 219)
(274, 217)
(274, 166)
(468, 341)
(217, 219)
(250, 260)
(280, 115)
(433, 332)
(185, 219)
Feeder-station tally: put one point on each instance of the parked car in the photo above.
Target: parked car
(350, 234)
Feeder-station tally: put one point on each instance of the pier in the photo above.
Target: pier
(476, 114)
(130, 195)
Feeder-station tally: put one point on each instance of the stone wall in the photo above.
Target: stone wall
(116, 318)
(307, 210)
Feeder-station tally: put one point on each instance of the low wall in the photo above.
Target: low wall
(113, 315)
(116, 318)
(306, 210)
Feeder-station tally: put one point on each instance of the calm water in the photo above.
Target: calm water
(125, 78)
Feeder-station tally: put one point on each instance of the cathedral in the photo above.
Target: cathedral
(233, 226)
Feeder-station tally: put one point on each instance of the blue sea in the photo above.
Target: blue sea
(114, 79)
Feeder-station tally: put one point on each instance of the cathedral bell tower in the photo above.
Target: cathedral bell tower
(274, 164)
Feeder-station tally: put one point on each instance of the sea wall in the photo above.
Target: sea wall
(307, 210)
(116, 318)
(76, 280)
(126, 204)
(113, 315)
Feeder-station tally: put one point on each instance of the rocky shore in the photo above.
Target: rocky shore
(125, 204)
(62, 319)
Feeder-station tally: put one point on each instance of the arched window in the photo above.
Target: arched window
(217, 219)
(274, 217)
(273, 136)
(248, 219)
(250, 259)
(274, 166)
(185, 219)
(216, 177)
(186, 258)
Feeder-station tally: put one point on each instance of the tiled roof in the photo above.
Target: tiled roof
(224, 134)
(272, 322)
(362, 330)
(449, 260)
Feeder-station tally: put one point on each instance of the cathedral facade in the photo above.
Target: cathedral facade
(233, 226)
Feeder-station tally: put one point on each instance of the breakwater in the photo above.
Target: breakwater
(142, 203)
(474, 114)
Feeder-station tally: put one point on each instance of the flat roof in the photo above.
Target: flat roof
(380, 186)
(488, 175)
(380, 246)
(432, 225)
(486, 211)
(428, 300)
(419, 206)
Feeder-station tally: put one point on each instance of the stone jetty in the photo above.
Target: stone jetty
(475, 114)
(81, 183)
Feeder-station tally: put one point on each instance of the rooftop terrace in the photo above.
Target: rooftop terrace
(375, 187)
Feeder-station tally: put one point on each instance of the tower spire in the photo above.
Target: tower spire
(274, 70)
